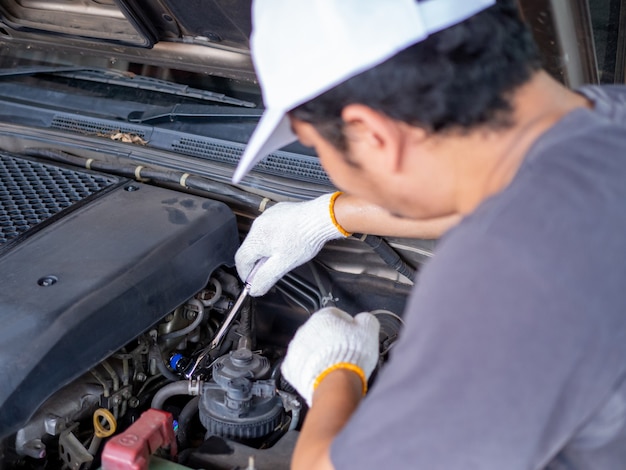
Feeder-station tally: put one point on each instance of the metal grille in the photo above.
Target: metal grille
(290, 165)
(280, 163)
(93, 126)
(32, 192)
(299, 167)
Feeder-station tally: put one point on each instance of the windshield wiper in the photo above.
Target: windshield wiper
(191, 111)
(128, 80)
(36, 69)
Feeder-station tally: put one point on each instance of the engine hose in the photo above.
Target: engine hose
(276, 373)
(219, 191)
(230, 284)
(388, 255)
(229, 341)
(245, 320)
(155, 354)
(216, 296)
(182, 387)
(189, 328)
(184, 420)
(295, 419)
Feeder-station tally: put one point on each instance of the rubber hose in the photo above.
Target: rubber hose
(218, 293)
(224, 192)
(230, 284)
(295, 418)
(189, 328)
(245, 320)
(170, 390)
(155, 353)
(184, 420)
(389, 256)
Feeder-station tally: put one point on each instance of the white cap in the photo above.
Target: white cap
(303, 48)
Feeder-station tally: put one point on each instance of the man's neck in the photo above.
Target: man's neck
(487, 161)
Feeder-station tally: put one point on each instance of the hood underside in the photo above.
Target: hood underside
(202, 36)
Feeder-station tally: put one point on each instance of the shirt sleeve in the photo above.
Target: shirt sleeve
(495, 368)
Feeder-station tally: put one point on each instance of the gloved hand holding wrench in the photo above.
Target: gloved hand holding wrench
(219, 336)
(287, 235)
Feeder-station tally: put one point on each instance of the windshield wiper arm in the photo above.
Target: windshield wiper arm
(128, 80)
(36, 69)
(191, 111)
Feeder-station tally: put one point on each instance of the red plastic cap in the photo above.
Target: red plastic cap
(131, 450)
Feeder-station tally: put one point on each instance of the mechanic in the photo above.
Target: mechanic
(513, 355)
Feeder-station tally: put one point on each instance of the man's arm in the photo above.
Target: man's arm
(334, 401)
(358, 216)
(328, 362)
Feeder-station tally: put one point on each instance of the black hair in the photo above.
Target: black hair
(455, 80)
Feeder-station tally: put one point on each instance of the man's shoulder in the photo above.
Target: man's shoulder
(564, 211)
(609, 94)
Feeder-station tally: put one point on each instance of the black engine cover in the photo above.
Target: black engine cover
(87, 263)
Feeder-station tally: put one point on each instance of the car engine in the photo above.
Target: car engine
(117, 304)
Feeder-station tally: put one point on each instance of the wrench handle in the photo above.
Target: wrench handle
(255, 268)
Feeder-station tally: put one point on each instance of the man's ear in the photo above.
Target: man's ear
(364, 124)
(376, 135)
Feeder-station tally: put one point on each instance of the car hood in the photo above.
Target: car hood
(200, 36)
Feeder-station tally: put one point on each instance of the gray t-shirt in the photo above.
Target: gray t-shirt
(514, 351)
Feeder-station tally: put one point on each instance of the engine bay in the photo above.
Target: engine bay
(118, 299)
(120, 127)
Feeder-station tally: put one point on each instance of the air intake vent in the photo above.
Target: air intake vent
(285, 164)
(94, 126)
(32, 192)
(301, 167)
(218, 152)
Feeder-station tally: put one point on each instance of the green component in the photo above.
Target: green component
(157, 463)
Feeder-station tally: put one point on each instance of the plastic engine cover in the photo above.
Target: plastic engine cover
(87, 263)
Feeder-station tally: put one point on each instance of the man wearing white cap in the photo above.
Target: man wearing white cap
(513, 354)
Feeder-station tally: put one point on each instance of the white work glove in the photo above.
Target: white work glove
(288, 235)
(331, 339)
